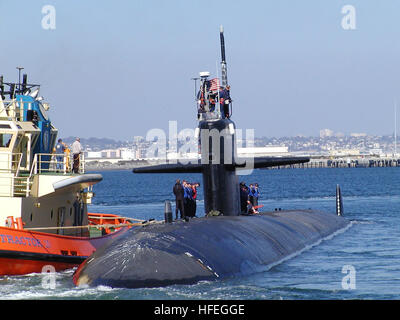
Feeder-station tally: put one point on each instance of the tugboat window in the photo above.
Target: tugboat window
(5, 139)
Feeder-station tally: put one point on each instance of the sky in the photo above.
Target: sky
(117, 69)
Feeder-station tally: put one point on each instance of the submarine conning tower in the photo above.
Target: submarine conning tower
(218, 153)
(217, 141)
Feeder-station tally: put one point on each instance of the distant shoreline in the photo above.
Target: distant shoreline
(314, 163)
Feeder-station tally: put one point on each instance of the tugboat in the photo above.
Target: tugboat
(43, 206)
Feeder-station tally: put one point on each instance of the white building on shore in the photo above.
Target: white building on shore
(115, 155)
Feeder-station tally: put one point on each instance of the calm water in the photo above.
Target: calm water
(371, 245)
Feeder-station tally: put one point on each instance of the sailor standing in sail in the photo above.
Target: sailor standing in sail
(76, 152)
(224, 100)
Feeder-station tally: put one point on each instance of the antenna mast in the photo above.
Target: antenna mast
(224, 75)
(19, 79)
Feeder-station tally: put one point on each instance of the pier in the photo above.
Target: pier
(315, 162)
(347, 162)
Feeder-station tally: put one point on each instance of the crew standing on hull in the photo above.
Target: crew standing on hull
(251, 193)
(188, 194)
(194, 197)
(185, 197)
(256, 194)
(244, 197)
(179, 198)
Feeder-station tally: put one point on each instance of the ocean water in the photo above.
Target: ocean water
(370, 247)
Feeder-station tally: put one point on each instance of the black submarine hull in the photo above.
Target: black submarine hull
(206, 248)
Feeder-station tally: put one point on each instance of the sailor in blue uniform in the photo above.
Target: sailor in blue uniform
(251, 194)
(224, 100)
(256, 194)
(191, 200)
(187, 198)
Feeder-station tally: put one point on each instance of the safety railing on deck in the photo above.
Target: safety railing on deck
(22, 186)
(11, 186)
(209, 115)
(57, 163)
(13, 183)
(10, 162)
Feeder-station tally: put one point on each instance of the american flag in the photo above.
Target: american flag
(214, 84)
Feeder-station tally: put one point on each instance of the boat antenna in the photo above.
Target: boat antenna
(195, 87)
(19, 79)
(1, 87)
(195, 90)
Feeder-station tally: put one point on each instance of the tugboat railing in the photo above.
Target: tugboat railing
(10, 181)
(22, 186)
(10, 162)
(13, 184)
(19, 163)
(56, 163)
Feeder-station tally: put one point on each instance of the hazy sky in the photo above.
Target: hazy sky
(120, 68)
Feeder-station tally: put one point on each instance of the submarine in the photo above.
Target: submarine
(226, 242)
